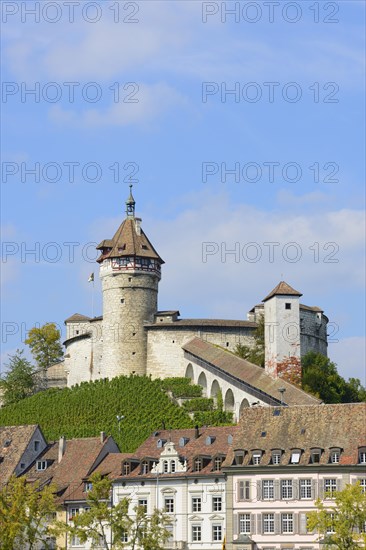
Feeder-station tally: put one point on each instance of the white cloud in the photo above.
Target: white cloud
(151, 102)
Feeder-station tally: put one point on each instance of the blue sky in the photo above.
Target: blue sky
(151, 95)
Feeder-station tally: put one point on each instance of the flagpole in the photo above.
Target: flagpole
(93, 299)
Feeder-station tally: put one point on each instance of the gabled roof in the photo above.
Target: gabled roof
(255, 377)
(321, 426)
(128, 242)
(282, 289)
(14, 441)
(194, 447)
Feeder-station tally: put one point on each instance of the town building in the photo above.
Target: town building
(284, 458)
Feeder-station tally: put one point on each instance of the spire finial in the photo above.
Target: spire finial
(130, 204)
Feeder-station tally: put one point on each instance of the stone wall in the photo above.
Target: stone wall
(165, 356)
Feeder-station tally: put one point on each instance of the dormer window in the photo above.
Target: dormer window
(276, 457)
(335, 455)
(362, 455)
(239, 457)
(145, 467)
(88, 486)
(256, 457)
(295, 456)
(218, 462)
(172, 466)
(160, 443)
(41, 465)
(183, 441)
(315, 456)
(126, 468)
(210, 439)
(198, 464)
(165, 466)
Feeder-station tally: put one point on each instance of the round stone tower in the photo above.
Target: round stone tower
(130, 270)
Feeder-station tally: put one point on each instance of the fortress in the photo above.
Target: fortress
(134, 337)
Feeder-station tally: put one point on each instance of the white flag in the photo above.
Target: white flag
(91, 278)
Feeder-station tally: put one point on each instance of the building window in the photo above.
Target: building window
(88, 486)
(196, 533)
(172, 466)
(305, 488)
(198, 464)
(244, 524)
(331, 526)
(170, 529)
(216, 533)
(286, 489)
(196, 504)
(268, 489)
(244, 490)
(362, 456)
(124, 535)
(218, 463)
(239, 457)
(287, 305)
(363, 484)
(37, 445)
(287, 523)
(257, 457)
(330, 485)
(75, 541)
(335, 456)
(126, 469)
(216, 504)
(165, 466)
(268, 523)
(73, 512)
(169, 505)
(276, 457)
(315, 456)
(41, 465)
(295, 457)
(142, 503)
(145, 467)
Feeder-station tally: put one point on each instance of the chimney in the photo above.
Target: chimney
(103, 437)
(196, 432)
(138, 225)
(61, 448)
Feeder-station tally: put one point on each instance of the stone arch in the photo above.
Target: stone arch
(244, 404)
(202, 381)
(189, 372)
(229, 401)
(215, 389)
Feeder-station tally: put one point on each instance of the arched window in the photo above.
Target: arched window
(172, 466)
(165, 466)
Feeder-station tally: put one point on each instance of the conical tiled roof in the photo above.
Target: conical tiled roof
(282, 289)
(128, 241)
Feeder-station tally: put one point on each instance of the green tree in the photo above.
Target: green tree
(25, 514)
(342, 524)
(108, 526)
(45, 345)
(320, 377)
(18, 381)
(254, 354)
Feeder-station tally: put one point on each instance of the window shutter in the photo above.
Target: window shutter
(240, 491)
(296, 523)
(252, 524)
(259, 524)
(259, 490)
(277, 526)
(340, 484)
(295, 490)
(277, 489)
(314, 489)
(321, 483)
(302, 523)
(236, 524)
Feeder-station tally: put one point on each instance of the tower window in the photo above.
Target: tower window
(122, 301)
(287, 305)
(133, 353)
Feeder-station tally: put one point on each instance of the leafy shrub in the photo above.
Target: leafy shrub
(199, 404)
(181, 387)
